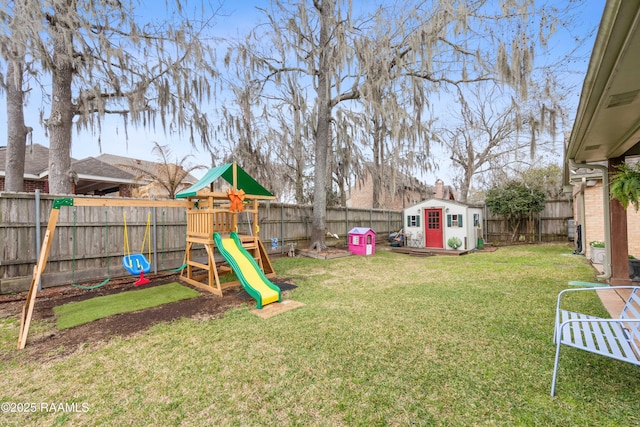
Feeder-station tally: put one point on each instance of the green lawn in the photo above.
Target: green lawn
(79, 313)
(383, 340)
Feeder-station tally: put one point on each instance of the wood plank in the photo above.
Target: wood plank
(105, 202)
(27, 309)
(276, 308)
(201, 286)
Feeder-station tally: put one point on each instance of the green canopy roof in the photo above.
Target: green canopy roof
(245, 182)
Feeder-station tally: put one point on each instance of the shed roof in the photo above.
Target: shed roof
(244, 182)
(441, 202)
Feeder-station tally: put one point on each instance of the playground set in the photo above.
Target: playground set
(212, 225)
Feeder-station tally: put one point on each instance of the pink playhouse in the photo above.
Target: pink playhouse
(362, 241)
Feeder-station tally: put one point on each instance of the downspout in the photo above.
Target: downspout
(583, 185)
(607, 213)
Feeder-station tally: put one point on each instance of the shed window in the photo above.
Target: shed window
(413, 220)
(476, 220)
(454, 220)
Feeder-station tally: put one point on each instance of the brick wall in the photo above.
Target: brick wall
(593, 215)
(633, 231)
(594, 220)
(361, 197)
(30, 186)
(125, 191)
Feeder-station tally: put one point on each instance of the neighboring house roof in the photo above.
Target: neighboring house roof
(230, 173)
(123, 162)
(36, 163)
(94, 174)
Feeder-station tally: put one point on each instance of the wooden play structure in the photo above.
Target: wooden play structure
(212, 212)
(209, 212)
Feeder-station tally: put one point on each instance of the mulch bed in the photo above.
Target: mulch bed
(55, 344)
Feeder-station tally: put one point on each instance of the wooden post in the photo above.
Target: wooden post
(256, 227)
(235, 176)
(620, 246)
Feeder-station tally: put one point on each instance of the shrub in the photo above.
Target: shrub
(454, 242)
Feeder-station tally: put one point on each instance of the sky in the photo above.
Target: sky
(237, 17)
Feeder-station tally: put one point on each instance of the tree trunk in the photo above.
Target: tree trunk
(16, 130)
(465, 183)
(299, 182)
(515, 224)
(298, 150)
(376, 173)
(323, 132)
(60, 121)
(320, 170)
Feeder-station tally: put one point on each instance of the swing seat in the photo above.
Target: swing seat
(136, 264)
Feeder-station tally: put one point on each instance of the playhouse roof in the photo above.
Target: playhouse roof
(361, 230)
(244, 182)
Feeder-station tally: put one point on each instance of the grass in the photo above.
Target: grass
(387, 340)
(79, 313)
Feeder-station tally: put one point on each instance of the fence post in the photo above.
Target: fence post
(371, 218)
(388, 222)
(155, 240)
(281, 228)
(38, 224)
(346, 221)
(540, 227)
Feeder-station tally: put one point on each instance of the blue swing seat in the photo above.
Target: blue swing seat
(136, 264)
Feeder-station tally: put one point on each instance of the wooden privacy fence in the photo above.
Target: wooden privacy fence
(550, 225)
(88, 244)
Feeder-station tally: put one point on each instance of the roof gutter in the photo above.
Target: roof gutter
(607, 213)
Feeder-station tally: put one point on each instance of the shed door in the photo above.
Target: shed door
(433, 228)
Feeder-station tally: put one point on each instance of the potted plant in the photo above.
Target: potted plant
(596, 252)
(454, 242)
(625, 185)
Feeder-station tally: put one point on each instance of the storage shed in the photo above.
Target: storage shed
(435, 223)
(362, 241)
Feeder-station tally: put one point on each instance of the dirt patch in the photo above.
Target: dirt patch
(329, 253)
(52, 343)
